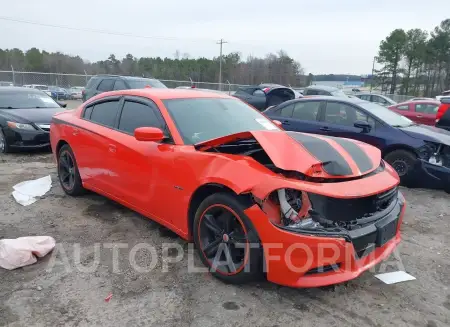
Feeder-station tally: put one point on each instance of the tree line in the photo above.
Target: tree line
(274, 67)
(415, 62)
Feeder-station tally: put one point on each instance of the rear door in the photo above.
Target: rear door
(405, 110)
(338, 120)
(425, 113)
(105, 85)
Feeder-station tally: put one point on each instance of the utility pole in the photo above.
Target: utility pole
(221, 42)
(372, 77)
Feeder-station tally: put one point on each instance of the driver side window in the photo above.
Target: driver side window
(345, 115)
(135, 114)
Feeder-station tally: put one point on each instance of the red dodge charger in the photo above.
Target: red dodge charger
(307, 210)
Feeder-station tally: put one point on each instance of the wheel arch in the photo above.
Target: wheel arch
(395, 147)
(59, 145)
(205, 190)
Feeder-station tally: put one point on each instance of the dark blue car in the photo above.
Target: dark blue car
(420, 154)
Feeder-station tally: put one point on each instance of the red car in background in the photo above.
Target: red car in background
(421, 112)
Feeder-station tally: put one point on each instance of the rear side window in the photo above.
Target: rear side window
(120, 85)
(311, 92)
(306, 110)
(403, 107)
(136, 115)
(106, 85)
(88, 112)
(105, 113)
(364, 97)
(287, 111)
(427, 108)
(93, 81)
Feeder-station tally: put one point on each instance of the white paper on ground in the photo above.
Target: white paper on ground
(395, 277)
(25, 193)
(22, 251)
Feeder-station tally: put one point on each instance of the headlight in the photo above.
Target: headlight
(431, 152)
(26, 127)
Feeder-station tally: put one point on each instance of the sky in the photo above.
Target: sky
(324, 36)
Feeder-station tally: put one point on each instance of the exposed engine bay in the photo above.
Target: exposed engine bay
(298, 210)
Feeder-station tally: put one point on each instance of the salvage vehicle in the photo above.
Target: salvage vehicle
(264, 96)
(216, 171)
(25, 115)
(376, 98)
(104, 83)
(420, 111)
(420, 154)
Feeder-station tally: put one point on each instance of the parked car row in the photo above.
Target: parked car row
(58, 93)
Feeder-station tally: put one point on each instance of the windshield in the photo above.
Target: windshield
(202, 119)
(339, 93)
(389, 117)
(25, 100)
(141, 83)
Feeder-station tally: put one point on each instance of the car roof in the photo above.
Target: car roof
(322, 87)
(418, 101)
(166, 94)
(330, 98)
(15, 89)
(122, 76)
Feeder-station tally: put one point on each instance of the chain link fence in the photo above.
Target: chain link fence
(20, 78)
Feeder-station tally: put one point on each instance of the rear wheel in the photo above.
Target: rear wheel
(226, 240)
(403, 161)
(68, 174)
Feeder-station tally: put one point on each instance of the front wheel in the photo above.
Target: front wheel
(403, 162)
(3, 143)
(226, 240)
(68, 174)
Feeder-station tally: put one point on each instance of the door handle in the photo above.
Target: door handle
(285, 122)
(112, 148)
(419, 116)
(324, 128)
(75, 132)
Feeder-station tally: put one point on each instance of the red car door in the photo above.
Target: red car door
(425, 112)
(404, 109)
(92, 139)
(141, 171)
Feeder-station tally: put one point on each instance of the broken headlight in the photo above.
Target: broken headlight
(430, 152)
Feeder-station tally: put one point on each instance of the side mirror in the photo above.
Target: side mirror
(278, 123)
(365, 126)
(151, 134)
(61, 104)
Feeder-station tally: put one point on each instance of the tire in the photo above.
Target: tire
(72, 184)
(4, 148)
(240, 271)
(403, 161)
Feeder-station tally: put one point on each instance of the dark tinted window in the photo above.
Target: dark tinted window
(136, 115)
(343, 114)
(311, 92)
(322, 92)
(140, 83)
(88, 112)
(120, 85)
(364, 97)
(106, 85)
(287, 111)
(92, 82)
(105, 113)
(199, 119)
(306, 110)
(378, 99)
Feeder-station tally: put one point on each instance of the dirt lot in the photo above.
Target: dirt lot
(39, 295)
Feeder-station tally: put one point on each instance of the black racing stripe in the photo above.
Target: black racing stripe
(358, 155)
(332, 161)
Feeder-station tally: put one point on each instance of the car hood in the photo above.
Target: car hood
(309, 154)
(428, 133)
(41, 115)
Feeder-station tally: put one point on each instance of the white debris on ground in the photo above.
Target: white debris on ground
(27, 192)
(395, 277)
(22, 251)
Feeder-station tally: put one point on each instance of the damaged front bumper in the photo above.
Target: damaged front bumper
(299, 258)
(432, 175)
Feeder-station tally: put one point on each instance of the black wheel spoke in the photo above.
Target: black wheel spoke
(237, 238)
(212, 247)
(212, 225)
(71, 179)
(225, 220)
(64, 162)
(64, 175)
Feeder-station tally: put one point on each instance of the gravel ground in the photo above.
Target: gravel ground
(57, 291)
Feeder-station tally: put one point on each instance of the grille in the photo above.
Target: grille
(44, 127)
(345, 210)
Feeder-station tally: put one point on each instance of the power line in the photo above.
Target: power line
(165, 38)
(221, 42)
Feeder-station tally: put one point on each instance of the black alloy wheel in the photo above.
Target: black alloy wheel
(3, 144)
(68, 174)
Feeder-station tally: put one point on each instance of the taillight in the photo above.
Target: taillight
(441, 111)
(266, 89)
